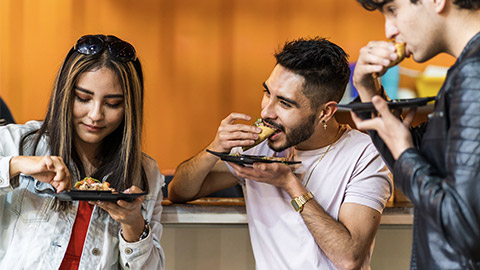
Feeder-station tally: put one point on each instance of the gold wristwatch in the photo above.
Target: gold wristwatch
(300, 201)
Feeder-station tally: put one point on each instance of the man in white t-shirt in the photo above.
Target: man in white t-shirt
(323, 213)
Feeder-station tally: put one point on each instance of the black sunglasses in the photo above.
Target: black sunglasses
(94, 44)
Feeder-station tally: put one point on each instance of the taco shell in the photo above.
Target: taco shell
(400, 49)
(266, 132)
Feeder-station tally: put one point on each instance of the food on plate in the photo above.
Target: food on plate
(400, 50)
(266, 132)
(281, 159)
(275, 158)
(89, 183)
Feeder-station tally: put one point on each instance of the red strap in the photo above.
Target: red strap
(80, 228)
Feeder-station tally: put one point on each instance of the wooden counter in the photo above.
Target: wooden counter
(232, 211)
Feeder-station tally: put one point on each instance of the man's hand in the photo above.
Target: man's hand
(393, 131)
(128, 214)
(230, 135)
(276, 174)
(373, 58)
(48, 169)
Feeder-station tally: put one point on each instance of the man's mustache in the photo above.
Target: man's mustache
(274, 125)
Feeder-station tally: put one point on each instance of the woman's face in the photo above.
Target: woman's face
(98, 107)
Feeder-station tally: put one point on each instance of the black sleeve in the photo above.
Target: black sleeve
(417, 133)
(6, 116)
(451, 202)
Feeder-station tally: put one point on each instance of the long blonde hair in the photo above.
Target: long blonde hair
(120, 153)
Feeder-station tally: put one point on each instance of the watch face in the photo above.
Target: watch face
(296, 206)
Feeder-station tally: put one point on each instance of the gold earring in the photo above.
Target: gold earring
(324, 124)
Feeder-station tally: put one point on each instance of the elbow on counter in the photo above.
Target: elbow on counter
(353, 263)
(175, 196)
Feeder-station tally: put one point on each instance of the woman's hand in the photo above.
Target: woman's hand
(128, 214)
(48, 169)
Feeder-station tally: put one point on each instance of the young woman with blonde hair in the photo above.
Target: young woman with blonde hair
(92, 129)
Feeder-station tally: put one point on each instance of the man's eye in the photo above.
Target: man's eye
(390, 10)
(285, 104)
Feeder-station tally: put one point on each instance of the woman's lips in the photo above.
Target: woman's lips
(92, 128)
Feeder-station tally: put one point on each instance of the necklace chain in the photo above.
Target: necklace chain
(320, 159)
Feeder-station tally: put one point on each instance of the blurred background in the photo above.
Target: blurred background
(202, 59)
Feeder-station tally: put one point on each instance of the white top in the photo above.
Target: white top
(33, 236)
(352, 171)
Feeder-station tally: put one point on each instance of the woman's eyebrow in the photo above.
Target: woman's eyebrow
(91, 93)
(83, 90)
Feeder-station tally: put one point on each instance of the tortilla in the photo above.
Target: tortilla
(400, 50)
(266, 132)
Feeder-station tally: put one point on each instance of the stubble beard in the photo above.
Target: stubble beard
(298, 135)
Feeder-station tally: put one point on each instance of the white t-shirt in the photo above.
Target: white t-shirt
(352, 171)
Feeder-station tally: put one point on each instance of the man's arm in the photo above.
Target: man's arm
(450, 201)
(199, 176)
(346, 242)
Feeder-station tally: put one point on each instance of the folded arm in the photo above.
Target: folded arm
(198, 177)
(201, 175)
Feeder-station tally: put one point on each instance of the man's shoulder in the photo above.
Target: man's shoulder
(472, 49)
(469, 60)
(355, 137)
(360, 143)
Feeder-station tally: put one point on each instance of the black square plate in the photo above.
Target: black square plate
(393, 104)
(247, 159)
(95, 195)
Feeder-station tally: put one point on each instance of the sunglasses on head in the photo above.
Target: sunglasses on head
(118, 49)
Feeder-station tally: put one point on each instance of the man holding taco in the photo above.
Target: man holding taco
(437, 164)
(322, 214)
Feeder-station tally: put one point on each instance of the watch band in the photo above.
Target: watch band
(300, 201)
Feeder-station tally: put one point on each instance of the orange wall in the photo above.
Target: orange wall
(202, 59)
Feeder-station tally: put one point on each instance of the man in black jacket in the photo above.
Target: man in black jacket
(436, 165)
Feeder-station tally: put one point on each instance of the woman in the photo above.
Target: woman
(92, 128)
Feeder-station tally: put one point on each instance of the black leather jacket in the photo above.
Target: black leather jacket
(441, 176)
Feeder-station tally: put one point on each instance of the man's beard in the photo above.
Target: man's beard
(298, 135)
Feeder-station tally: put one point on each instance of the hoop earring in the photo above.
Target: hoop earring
(324, 124)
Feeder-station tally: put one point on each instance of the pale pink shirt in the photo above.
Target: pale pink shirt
(352, 171)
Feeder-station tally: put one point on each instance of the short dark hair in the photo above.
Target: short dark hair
(323, 65)
(378, 4)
